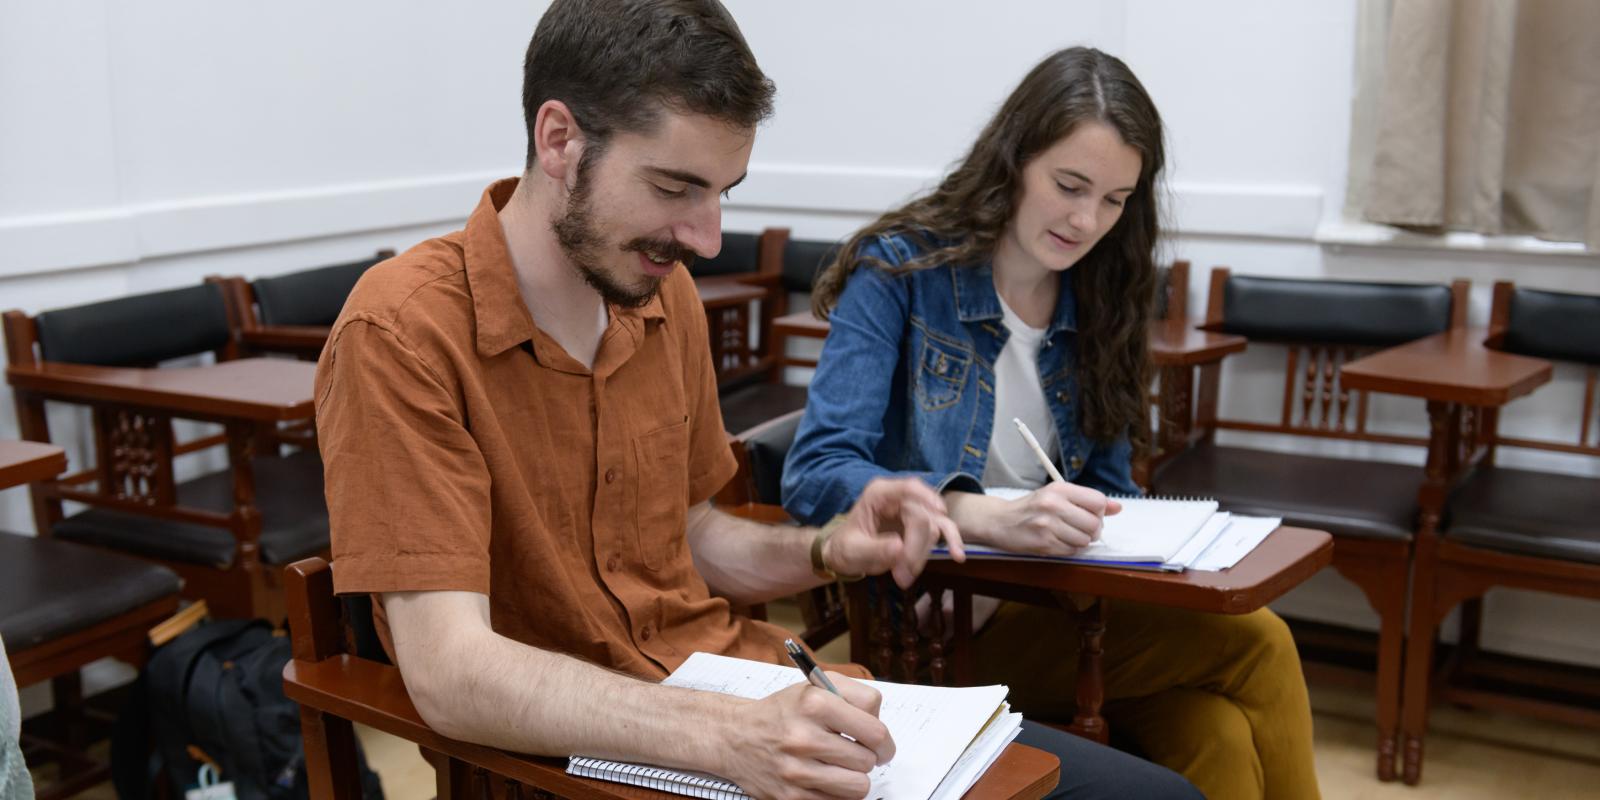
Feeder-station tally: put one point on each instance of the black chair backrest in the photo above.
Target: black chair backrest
(768, 445)
(740, 253)
(1334, 312)
(140, 330)
(803, 259)
(1554, 325)
(308, 297)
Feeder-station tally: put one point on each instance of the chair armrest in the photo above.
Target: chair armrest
(373, 694)
(253, 389)
(1174, 343)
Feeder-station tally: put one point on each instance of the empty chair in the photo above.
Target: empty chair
(1369, 506)
(1512, 527)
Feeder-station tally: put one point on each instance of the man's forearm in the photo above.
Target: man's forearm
(478, 686)
(748, 562)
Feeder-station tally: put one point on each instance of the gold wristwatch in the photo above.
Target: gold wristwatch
(818, 567)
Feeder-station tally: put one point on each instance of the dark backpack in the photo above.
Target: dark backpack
(219, 690)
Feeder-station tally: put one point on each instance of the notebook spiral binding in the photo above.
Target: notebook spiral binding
(1165, 498)
(658, 778)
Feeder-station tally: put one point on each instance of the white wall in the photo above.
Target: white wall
(145, 145)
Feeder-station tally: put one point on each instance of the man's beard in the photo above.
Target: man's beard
(584, 246)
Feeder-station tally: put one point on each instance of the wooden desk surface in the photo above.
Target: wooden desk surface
(261, 389)
(26, 462)
(1284, 560)
(801, 323)
(287, 336)
(719, 294)
(1177, 343)
(373, 694)
(1453, 366)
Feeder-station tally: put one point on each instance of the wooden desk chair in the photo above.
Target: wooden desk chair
(1370, 507)
(756, 401)
(65, 605)
(336, 688)
(1508, 527)
(755, 492)
(292, 313)
(222, 531)
(747, 261)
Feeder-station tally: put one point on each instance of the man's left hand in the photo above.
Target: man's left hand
(891, 528)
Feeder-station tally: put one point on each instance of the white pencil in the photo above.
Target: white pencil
(1033, 443)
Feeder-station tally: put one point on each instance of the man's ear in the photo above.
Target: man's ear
(557, 141)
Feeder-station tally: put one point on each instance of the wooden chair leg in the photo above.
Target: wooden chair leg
(1421, 634)
(1391, 645)
(330, 748)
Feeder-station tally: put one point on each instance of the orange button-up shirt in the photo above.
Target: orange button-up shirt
(465, 450)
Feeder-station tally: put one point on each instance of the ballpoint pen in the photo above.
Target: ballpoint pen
(813, 673)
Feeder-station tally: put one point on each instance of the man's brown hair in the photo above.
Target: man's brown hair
(618, 63)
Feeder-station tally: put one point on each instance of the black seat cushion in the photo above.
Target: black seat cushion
(1528, 513)
(1366, 499)
(56, 588)
(747, 406)
(294, 517)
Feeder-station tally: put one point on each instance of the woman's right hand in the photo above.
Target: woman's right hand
(1057, 519)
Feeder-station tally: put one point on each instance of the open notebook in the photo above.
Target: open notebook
(1150, 532)
(944, 738)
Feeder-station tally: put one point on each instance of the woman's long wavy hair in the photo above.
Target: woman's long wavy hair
(961, 221)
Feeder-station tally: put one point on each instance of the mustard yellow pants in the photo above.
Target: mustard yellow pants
(1217, 698)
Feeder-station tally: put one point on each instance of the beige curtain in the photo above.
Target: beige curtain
(1487, 119)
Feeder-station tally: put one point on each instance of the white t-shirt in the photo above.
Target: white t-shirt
(1018, 393)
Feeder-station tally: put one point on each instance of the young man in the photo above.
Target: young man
(520, 429)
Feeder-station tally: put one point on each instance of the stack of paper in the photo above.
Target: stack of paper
(1156, 534)
(944, 738)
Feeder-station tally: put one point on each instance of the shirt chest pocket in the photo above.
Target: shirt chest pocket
(941, 374)
(663, 492)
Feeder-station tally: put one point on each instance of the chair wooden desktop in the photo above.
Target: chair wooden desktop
(64, 606)
(336, 688)
(1489, 525)
(292, 313)
(222, 532)
(1369, 506)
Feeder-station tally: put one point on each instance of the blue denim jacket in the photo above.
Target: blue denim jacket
(906, 387)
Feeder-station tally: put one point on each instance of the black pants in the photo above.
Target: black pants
(1091, 771)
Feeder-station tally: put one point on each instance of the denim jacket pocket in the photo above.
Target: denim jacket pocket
(942, 374)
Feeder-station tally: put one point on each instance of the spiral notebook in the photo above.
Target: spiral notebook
(1149, 533)
(945, 738)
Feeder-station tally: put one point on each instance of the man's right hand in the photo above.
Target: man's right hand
(790, 744)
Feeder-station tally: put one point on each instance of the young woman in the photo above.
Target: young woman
(1021, 287)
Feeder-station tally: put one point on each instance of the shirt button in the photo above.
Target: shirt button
(611, 475)
(644, 633)
(1061, 397)
(611, 564)
(1077, 463)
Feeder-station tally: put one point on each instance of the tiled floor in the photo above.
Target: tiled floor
(1471, 754)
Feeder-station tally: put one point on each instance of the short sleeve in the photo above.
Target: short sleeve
(406, 484)
(711, 462)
